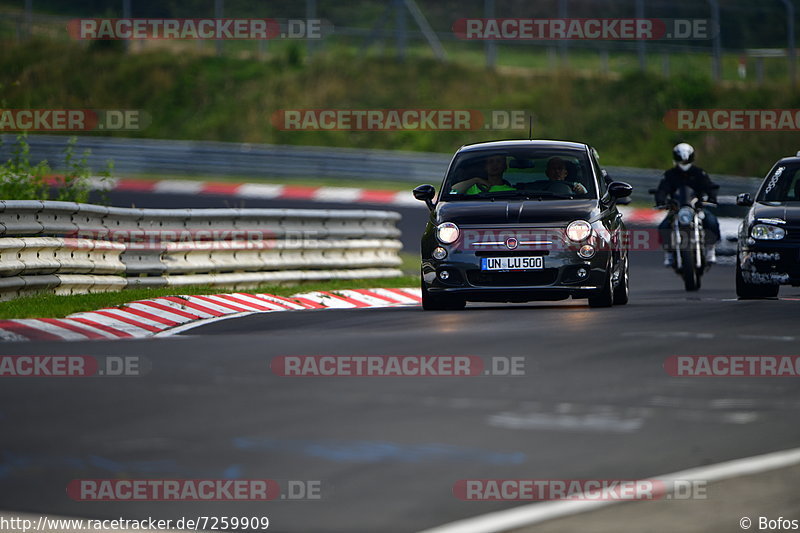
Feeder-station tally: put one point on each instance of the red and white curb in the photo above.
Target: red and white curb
(172, 314)
(641, 216)
(263, 191)
(272, 191)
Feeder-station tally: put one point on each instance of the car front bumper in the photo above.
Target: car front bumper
(770, 262)
(559, 279)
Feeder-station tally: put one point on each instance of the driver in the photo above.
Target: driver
(495, 167)
(686, 173)
(557, 171)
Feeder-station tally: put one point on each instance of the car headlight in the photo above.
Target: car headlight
(685, 216)
(765, 232)
(447, 233)
(579, 230)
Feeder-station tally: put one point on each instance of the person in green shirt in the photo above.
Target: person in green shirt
(495, 166)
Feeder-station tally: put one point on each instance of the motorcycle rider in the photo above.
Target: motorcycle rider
(686, 173)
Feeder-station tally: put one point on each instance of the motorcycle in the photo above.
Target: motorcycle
(687, 237)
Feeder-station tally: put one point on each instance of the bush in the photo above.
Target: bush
(21, 180)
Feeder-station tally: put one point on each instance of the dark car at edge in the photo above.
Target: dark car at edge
(768, 251)
(547, 229)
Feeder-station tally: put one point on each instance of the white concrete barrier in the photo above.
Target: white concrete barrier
(71, 248)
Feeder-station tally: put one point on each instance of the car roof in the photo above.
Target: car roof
(790, 159)
(540, 143)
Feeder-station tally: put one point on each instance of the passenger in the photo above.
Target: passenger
(557, 171)
(495, 167)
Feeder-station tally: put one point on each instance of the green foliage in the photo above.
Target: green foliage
(19, 179)
(22, 180)
(194, 96)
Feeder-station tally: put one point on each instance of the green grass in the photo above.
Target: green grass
(537, 56)
(410, 263)
(201, 97)
(54, 306)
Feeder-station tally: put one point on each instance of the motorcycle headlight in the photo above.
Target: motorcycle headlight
(447, 233)
(685, 216)
(765, 232)
(579, 230)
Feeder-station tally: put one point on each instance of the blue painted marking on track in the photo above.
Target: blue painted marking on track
(378, 451)
(232, 472)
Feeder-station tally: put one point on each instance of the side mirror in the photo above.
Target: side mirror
(425, 193)
(744, 200)
(619, 189)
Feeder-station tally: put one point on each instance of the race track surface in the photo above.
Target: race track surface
(595, 402)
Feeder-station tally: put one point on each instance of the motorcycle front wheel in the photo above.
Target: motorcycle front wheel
(690, 272)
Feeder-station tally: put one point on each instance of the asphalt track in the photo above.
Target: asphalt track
(595, 402)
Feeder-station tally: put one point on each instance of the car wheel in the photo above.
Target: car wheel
(691, 277)
(621, 291)
(605, 297)
(751, 291)
(440, 302)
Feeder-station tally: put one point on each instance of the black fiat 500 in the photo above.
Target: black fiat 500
(768, 253)
(517, 221)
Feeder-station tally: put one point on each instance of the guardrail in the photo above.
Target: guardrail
(70, 248)
(259, 161)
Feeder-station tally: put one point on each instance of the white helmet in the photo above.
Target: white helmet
(683, 153)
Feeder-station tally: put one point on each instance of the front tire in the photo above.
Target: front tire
(622, 291)
(752, 291)
(440, 302)
(604, 298)
(691, 277)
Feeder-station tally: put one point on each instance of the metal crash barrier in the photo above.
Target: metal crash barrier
(71, 248)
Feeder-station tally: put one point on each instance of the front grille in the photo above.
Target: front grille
(480, 278)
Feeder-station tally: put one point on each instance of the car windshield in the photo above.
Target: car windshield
(781, 185)
(526, 173)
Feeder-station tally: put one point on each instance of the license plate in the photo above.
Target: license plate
(512, 263)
